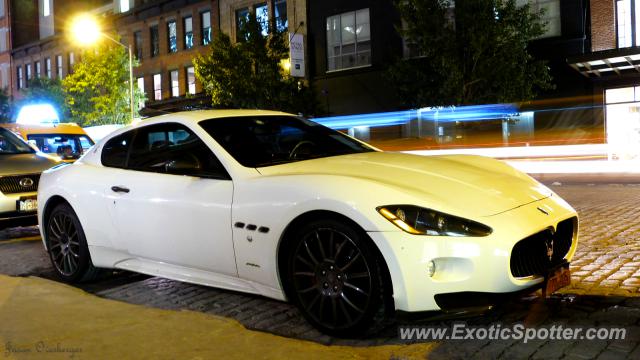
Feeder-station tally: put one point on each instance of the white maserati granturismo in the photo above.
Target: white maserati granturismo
(267, 203)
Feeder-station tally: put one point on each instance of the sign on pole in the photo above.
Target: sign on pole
(296, 54)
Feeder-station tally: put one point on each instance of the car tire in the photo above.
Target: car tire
(67, 246)
(337, 279)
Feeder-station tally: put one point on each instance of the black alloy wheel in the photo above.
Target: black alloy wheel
(336, 279)
(67, 246)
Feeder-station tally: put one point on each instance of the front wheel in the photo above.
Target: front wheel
(67, 246)
(336, 279)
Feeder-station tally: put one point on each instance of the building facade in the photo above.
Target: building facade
(6, 79)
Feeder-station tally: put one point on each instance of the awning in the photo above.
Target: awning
(607, 63)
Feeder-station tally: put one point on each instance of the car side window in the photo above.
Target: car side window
(114, 152)
(173, 149)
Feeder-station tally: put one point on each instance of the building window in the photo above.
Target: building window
(28, 74)
(141, 88)
(155, 41)
(175, 85)
(172, 36)
(191, 80)
(137, 44)
(72, 61)
(46, 8)
(348, 40)
(242, 16)
(20, 78)
(280, 14)
(157, 87)
(47, 67)
(124, 5)
(628, 23)
(59, 66)
(188, 32)
(262, 16)
(205, 18)
(38, 69)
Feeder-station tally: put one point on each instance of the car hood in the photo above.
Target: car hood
(475, 184)
(25, 164)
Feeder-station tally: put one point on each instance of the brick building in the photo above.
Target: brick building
(613, 69)
(165, 35)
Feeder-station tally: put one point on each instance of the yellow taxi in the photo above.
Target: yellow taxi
(66, 141)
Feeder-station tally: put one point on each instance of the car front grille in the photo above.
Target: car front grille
(538, 253)
(18, 184)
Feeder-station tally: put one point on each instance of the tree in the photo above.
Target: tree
(475, 53)
(45, 90)
(97, 91)
(248, 74)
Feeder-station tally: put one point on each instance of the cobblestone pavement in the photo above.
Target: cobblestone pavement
(605, 290)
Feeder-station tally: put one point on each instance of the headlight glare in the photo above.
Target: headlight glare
(422, 221)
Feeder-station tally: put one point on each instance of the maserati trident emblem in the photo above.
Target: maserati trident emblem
(542, 210)
(549, 245)
(26, 182)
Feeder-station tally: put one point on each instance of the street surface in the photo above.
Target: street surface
(605, 289)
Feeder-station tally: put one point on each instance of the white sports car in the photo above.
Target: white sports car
(266, 203)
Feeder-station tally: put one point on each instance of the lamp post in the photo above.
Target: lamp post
(86, 31)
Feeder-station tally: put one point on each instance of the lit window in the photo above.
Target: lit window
(38, 69)
(191, 80)
(348, 40)
(280, 10)
(72, 59)
(626, 16)
(124, 5)
(46, 8)
(205, 19)
(175, 85)
(242, 16)
(28, 73)
(188, 32)
(20, 78)
(141, 88)
(157, 87)
(262, 16)
(47, 67)
(59, 66)
(172, 36)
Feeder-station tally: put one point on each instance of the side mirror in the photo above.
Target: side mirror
(182, 166)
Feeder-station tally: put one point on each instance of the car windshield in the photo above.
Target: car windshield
(10, 144)
(67, 146)
(258, 141)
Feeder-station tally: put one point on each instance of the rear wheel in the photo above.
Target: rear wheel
(336, 279)
(67, 246)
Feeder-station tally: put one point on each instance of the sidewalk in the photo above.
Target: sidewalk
(44, 319)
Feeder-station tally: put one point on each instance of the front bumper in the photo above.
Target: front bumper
(10, 217)
(467, 265)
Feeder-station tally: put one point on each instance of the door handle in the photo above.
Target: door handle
(119, 189)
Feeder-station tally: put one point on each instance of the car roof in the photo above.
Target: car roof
(199, 115)
(61, 128)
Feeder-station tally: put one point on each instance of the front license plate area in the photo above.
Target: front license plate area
(27, 204)
(556, 279)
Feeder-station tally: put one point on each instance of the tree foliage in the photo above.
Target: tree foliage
(97, 91)
(45, 90)
(248, 73)
(474, 53)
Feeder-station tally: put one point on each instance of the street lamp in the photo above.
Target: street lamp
(86, 31)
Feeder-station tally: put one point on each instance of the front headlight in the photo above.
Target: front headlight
(421, 221)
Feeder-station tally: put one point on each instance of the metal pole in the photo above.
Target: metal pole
(131, 97)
